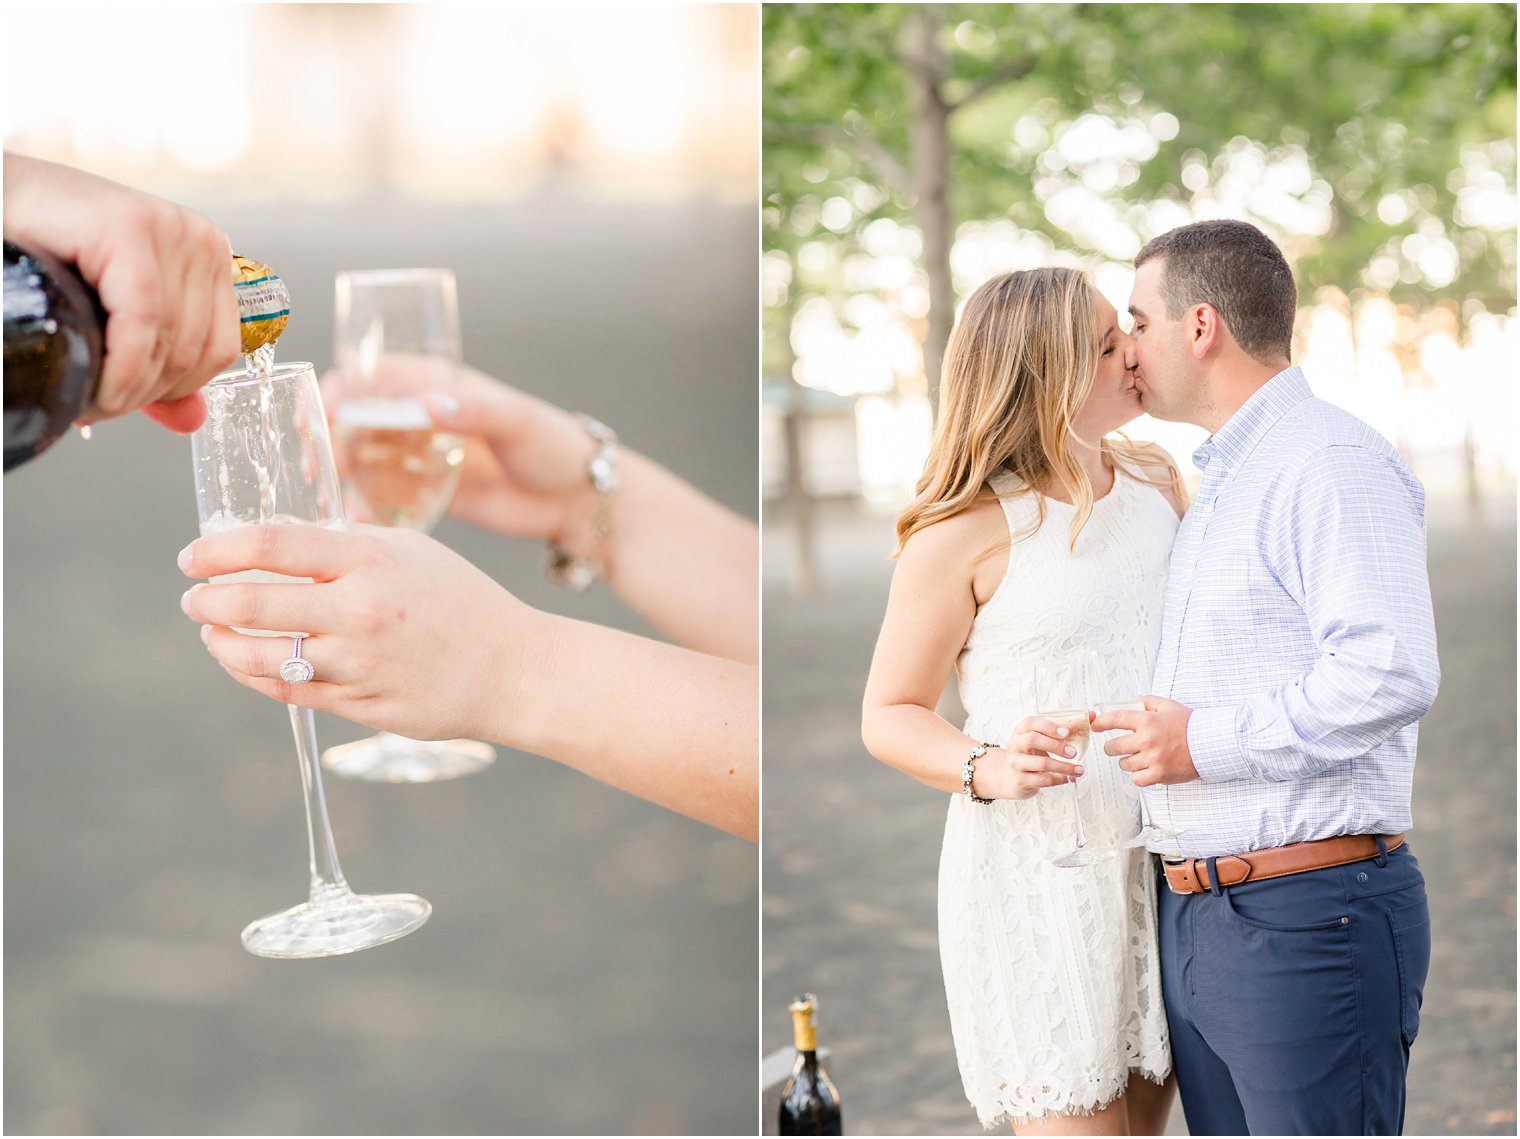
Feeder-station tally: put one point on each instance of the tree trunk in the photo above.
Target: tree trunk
(930, 141)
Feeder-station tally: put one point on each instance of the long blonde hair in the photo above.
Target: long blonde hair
(1018, 368)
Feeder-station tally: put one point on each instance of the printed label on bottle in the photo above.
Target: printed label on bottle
(263, 298)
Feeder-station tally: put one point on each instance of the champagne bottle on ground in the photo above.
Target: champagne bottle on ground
(55, 342)
(809, 1102)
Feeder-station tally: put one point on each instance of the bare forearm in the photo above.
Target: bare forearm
(676, 727)
(918, 742)
(686, 564)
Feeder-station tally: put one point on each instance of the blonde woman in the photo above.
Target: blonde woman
(1034, 536)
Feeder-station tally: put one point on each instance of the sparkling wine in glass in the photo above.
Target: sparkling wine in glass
(1061, 695)
(1150, 830)
(263, 456)
(395, 340)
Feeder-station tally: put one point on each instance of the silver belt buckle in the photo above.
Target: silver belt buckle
(1173, 862)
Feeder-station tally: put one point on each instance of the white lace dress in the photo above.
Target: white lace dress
(1052, 976)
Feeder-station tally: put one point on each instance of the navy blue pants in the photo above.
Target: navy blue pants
(1293, 1002)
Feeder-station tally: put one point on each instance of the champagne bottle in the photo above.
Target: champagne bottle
(55, 342)
(809, 1101)
(54, 346)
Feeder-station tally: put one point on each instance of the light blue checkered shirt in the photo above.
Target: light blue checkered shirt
(1298, 626)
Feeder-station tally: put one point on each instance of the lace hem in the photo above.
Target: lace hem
(1102, 1095)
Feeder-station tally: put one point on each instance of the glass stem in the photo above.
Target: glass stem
(326, 875)
(1076, 809)
(1145, 812)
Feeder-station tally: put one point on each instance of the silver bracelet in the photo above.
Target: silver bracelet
(970, 770)
(601, 469)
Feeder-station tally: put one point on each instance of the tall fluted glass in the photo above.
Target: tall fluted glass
(264, 456)
(395, 341)
(1061, 695)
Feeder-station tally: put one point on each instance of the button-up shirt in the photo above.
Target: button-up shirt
(1297, 625)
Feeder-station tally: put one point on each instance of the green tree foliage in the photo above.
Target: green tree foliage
(1395, 116)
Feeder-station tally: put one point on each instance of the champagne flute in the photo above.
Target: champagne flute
(263, 456)
(1061, 695)
(396, 338)
(1150, 830)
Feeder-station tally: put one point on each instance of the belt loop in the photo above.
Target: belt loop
(1382, 854)
(1214, 887)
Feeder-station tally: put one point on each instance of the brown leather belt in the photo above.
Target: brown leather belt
(1191, 876)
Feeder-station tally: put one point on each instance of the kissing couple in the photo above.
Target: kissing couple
(1266, 955)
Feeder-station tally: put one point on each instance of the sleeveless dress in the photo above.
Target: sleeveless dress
(1052, 975)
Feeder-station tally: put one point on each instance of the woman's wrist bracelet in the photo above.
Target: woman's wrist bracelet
(601, 469)
(969, 771)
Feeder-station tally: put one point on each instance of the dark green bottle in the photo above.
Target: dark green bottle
(54, 348)
(809, 1101)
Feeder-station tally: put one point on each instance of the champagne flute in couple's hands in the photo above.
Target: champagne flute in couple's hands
(263, 456)
(395, 340)
(1150, 830)
(1061, 695)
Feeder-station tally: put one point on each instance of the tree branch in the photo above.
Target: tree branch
(872, 152)
(1009, 74)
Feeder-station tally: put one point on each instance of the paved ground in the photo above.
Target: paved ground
(590, 965)
(851, 846)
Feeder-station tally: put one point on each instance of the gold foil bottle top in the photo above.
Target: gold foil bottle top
(263, 302)
(804, 1035)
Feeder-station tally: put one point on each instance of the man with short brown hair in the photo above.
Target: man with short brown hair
(1298, 653)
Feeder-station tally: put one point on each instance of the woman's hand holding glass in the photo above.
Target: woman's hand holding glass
(685, 564)
(524, 469)
(407, 636)
(1030, 762)
(382, 617)
(468, 657)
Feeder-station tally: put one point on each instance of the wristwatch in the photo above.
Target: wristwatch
(970, 770)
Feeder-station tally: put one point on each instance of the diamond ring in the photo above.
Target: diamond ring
(297, 670)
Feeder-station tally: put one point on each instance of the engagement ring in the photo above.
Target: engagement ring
(297, 670)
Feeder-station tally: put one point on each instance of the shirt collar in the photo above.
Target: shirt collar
(1227, 448)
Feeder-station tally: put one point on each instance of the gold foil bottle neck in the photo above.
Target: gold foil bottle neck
(263, 302)
(804, 1034)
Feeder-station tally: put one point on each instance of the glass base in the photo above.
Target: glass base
(389, 758)
(1085, 856)
(344, 924)
(1150, 835)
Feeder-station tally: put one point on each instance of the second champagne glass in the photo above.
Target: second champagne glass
(1061, 695)
(395, 339)
(263, 456)
(1150, 830)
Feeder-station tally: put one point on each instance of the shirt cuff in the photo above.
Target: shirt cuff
(1214, 745)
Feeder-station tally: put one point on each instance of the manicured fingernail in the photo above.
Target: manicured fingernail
(1080, 769)
(1071, 751)
(184, 559)
(442, 405)
(206, 635)
(184, 600)
(1062, 732)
